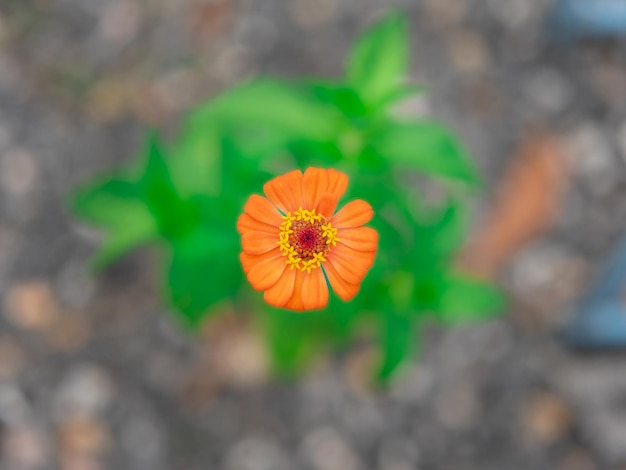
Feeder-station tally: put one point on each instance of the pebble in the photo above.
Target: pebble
(445, 12)
(577, 459)
(621, 140)
(75, 286)
(548, 91)
(457, 407)
(86, 388)
(70, 332)
(326, 449)
(80, 462)
(83, 435)
(313, 14)
(397, 452)
(547, 418)
(25, 448)
(31, 305)
(120, 21)
(19, 172)
(593, 159)
(468, 52)
(14, 408)
(144, 440)
(11, 358)
(415, 386)
(260, 33)
(256, 453)
(513, 14)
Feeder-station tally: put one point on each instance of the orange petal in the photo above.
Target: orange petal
(245, 223)
(281, 292)
(360, 238)
(314, 183)
(314, 290)
(295, 302)
(262, 210)
(351, 264)
(256, 243)
(327, 204)
(342, 288)
(285, 191)
(266, 272)
(248, 261)
(337, 183)
(353, 214)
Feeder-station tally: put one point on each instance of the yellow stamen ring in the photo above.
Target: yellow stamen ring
(305, 239)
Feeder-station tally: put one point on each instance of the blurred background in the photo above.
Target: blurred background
(94, 376)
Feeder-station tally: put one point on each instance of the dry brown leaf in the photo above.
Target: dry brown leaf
(526, 204)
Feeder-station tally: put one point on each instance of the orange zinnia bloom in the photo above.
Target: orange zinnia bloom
(293, 241)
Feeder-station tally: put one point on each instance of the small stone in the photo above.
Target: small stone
(75, 286)
(414, 386)
(232, 63)
(18, 171)
(397, 453)
(11, 358)
(120, 21)
(311, 14)
(69, 332)
(25, 448)
(468, 52)
(621, 140)
(547, 418)
(14, 409)
(577, 459)
(176, 90)
(144, 440)
(445, 12)
(591, 154)
(259, 33)
(82, 434)
(359, 370)
(457, 407)
(31, 305)
(108, 100)
(513, 14)
(8, 242)
(548, 90)
(236, 352)
(326, 449)
(256, 453)
(80, 462)
(86, 388)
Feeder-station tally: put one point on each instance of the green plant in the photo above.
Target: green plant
(185, 196)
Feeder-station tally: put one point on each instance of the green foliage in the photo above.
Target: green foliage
(379, 60)
(188, 193)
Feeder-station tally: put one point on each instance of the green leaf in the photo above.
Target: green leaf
(428, 147)
(196, 158)
(174, 215)
(114, 206)
(273, 104)
(464, 299)
(344, 98)
(379, 59)
(397, 341)
(293, 339)
(204, 269)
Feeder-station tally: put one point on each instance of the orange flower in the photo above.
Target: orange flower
(293, 241)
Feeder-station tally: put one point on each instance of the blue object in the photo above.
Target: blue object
(600, 320)
(575, 18)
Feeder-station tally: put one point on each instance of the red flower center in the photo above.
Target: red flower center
(307, 239)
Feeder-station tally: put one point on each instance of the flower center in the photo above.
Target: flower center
(305, 238)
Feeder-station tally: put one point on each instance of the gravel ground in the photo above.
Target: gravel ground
(93, 375)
